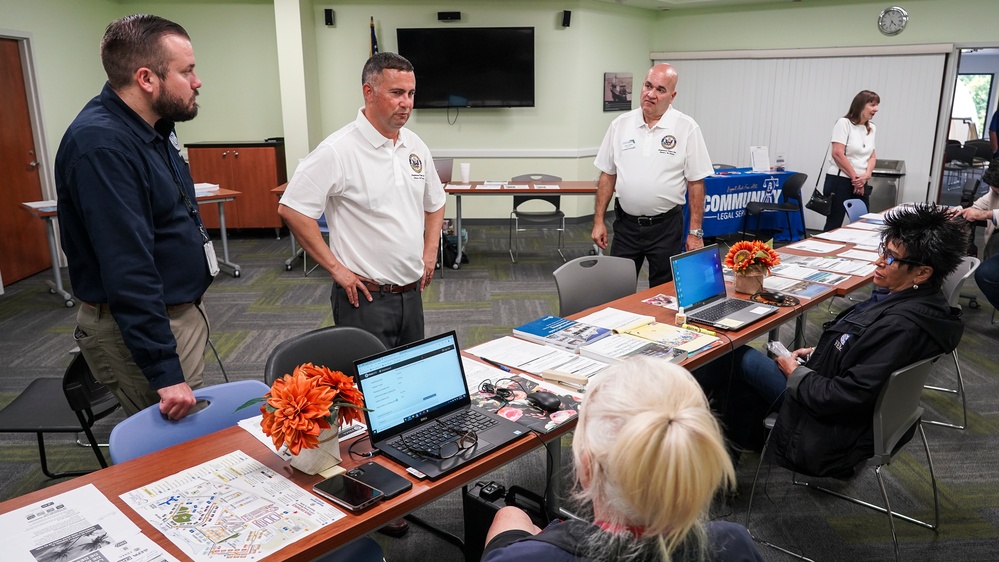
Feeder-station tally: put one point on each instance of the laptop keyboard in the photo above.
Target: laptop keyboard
(433, 435)
(721, 310)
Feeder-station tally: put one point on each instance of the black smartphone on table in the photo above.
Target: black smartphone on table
(384, 479)
(348, 492)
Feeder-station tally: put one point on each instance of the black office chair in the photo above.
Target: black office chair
(335, 347)
(792, 203)
(958, 162)
(548, 219)
(983, 152)
(38, 410)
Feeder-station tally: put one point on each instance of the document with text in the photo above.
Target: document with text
(78, 525)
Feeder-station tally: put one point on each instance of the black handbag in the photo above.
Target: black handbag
(819, 203)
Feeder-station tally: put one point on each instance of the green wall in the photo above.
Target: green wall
(828, 23)
(236, 45)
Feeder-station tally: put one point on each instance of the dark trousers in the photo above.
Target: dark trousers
(394, 318)
(657, 242)
(987, 277)
(840, 188)
(744, 387)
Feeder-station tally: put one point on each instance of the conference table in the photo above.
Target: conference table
(480, 189)
(220, 197)
(726, 194)
(47, 211)
(125, 477)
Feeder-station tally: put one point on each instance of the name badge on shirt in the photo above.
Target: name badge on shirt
(213, 261)
(629, 144)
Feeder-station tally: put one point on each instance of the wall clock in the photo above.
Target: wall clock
(892, 20)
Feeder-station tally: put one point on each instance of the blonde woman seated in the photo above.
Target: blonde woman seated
(649, 457)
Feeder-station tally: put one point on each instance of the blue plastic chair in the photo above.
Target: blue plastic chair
(148, 431)
(855, 209)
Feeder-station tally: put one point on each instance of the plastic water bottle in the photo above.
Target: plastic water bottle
(779, 163)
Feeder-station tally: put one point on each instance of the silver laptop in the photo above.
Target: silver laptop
(700, 290)
(421, 408)
(445, 166)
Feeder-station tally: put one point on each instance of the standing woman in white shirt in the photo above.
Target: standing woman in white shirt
(852, 156)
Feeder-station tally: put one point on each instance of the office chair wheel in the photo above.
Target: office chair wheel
(236, 274)
(70, 303)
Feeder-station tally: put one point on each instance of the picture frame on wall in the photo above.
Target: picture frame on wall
(617, 91)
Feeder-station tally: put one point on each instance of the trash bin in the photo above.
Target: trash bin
(886, 184)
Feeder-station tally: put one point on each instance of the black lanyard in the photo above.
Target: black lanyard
(192, 211)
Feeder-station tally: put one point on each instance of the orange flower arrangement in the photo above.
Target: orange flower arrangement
(301, 405)
(744, 257)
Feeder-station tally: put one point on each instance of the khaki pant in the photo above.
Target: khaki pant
(102, 346)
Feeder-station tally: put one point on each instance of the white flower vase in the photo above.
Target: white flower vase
(323, 457)
(326, 455)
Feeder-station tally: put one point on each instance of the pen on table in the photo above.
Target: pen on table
(495, 364)
(698, 329)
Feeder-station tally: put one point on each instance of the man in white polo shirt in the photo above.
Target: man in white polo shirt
(384, 203)
(654, 158)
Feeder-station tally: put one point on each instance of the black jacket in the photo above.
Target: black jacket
(825, 425)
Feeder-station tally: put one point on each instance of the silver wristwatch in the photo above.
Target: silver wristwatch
(697, 232)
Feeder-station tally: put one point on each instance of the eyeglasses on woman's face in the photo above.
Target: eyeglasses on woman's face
(890, 258)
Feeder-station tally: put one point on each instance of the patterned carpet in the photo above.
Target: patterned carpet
(485, 299)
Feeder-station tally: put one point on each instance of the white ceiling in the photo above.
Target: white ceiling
(680, 4)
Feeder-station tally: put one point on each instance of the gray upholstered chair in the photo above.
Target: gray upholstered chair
(952, 290)
(897, 416)
(593, 280)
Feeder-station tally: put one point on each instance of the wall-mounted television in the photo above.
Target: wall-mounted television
(471, 66)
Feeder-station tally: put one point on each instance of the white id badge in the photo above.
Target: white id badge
(213, 261)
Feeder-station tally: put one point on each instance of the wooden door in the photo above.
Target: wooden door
(23, 245)
(254, 175)
(212, 165)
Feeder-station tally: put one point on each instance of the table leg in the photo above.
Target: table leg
(224, 262)
(457, 229)
(554, 460)
(55, 286)
(296, 252)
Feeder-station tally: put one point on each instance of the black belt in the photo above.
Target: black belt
(372, 287)
(644, 220)
(104, 307)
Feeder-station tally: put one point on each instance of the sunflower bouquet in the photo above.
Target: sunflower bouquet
(301, 405)
(749, 257)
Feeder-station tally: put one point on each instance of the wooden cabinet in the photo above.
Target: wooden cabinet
(251, 168)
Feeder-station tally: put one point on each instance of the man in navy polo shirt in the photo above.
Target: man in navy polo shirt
(139, 257)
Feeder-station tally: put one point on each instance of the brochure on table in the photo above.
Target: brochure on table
(230, 507)
(535, 358)
(80, 524)
(560, 332)
(668, 334)
(618, 321)
(618, 348)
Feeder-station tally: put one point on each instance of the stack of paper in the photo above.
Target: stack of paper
(205, 188)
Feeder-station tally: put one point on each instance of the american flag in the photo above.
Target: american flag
(374, 40)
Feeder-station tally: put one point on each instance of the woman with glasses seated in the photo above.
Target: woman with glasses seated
(826, 405)
(649, 457)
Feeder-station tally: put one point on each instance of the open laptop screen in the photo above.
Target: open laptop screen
(444, 167)
(697, 276)
(412, 382)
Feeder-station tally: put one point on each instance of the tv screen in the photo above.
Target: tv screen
(471, 66)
